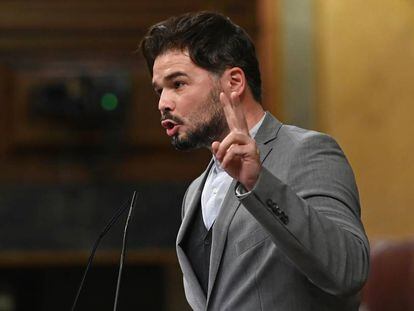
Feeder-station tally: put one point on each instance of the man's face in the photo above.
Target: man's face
(189, 102)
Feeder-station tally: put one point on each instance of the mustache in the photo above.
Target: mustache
(168, 116)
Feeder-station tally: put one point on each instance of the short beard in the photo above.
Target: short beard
(214, 129)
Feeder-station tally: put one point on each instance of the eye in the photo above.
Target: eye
(178, 84)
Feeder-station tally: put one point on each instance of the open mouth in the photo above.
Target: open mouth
(170, 126)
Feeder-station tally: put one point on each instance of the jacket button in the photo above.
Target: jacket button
(277, 210)
(284, 218)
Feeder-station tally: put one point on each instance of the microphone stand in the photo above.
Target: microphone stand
(123, 250)
(113, 220)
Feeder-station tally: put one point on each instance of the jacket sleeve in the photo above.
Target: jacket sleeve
(313, 216)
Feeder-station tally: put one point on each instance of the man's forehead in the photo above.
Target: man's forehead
(172, 58)
(171, 62)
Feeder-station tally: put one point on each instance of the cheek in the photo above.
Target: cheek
(190, 107)
(193, 120)
(196, 107)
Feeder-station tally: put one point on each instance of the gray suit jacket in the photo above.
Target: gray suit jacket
(295, 242)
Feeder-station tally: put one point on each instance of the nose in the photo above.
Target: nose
(165, 102)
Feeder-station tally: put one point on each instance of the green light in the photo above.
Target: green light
(109, 102)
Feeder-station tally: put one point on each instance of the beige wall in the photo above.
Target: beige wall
(365, 99)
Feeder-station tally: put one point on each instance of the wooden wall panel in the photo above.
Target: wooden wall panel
(365, 99)
(270, 55)
(41, 37)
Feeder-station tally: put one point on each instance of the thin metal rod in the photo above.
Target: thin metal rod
(122, 259)
(113, 220)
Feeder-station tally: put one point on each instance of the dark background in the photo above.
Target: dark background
(79, 132)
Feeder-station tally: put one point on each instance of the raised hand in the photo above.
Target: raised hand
(237, 153)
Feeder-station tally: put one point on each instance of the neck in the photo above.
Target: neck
(253, 112)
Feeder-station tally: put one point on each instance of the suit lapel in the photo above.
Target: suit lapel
(219, 236)
(267, 132)
(194, 202)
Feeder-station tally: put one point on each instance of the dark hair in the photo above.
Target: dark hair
(213, 41)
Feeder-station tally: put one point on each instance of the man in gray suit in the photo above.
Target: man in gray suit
(273, 223)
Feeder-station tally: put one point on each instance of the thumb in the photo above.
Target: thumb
(215, 147)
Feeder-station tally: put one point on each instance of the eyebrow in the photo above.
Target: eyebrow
(171, 76)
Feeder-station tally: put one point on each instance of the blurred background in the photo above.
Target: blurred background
(79, 131)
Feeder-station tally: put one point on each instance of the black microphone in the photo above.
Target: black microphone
(113, 220)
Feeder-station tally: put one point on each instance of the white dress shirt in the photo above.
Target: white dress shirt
(216, 186)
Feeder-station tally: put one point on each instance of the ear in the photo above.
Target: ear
(233, 80)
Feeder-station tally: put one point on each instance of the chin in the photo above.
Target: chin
(184, 142)
(182, 145)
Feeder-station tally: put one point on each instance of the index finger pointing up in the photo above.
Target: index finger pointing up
(234, 113)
